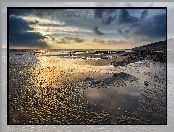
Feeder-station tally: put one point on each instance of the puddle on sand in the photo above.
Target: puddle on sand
(114, 99)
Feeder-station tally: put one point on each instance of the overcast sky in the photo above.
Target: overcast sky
(86, 28)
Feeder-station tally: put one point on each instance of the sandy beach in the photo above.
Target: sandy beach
(85, 89)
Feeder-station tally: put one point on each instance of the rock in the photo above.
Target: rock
(146, 83)
(88, 79)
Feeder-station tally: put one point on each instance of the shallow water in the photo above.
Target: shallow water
(57, 90)
(114, 99)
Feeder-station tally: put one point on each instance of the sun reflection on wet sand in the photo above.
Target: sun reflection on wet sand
(50, 95)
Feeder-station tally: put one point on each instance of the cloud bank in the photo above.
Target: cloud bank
(21, 34)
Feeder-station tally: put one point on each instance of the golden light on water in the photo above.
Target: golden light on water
(43, 61)
(44, 73)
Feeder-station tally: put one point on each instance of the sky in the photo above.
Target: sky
(85, 28)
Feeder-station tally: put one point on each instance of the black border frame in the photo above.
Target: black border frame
(8, 8)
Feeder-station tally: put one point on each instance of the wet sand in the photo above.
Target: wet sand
(68, 90)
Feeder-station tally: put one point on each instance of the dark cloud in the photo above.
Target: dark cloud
(18, 25)
(117, 42)
(134, 25)
(154, 27)
(78, 40)
(98, 13)
(144, 27)
(28, 36)
(99, 41)
(124, 17)
(67, 40)
(52, 25)
(134, 22)
(62, 41)
(144, 14)
(96, 31)
(34, 22)
(124, 33)
(107, 15)
(120, 31)
(108, 20)
(27, 43)
(21, 34)
(75, 39)
(52, 38)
